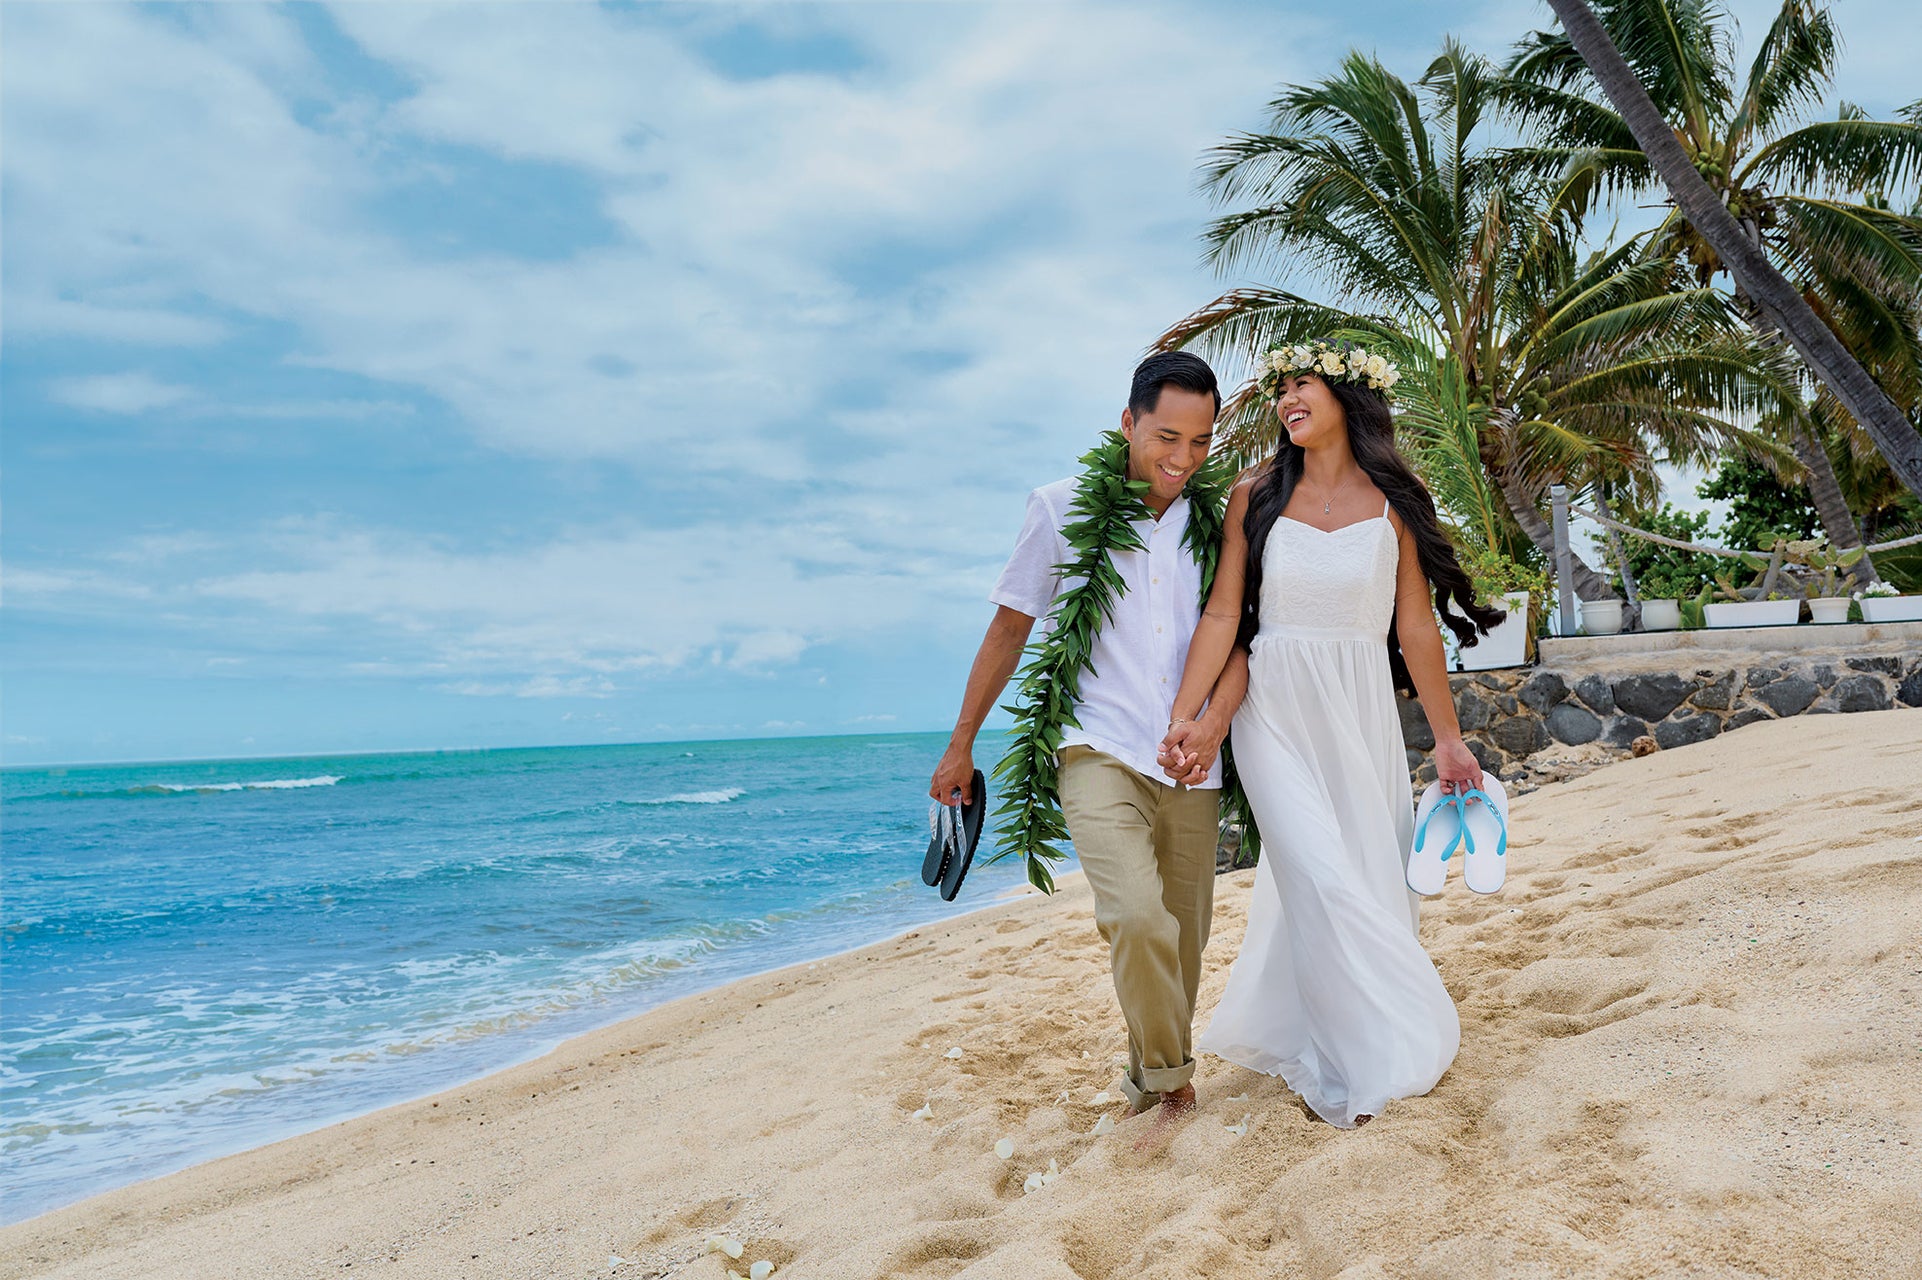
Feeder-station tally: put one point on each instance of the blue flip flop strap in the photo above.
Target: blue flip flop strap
(1421, 832)
(1501, 848)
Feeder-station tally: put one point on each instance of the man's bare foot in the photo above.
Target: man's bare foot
(1175, 1106)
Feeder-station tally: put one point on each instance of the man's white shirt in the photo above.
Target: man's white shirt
(1129, 692)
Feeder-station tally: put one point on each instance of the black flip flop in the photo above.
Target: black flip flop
(956, 829)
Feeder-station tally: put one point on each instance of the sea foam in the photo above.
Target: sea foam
(270, 784)
(699, 797)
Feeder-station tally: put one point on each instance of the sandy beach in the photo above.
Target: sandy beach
(1691, 1046)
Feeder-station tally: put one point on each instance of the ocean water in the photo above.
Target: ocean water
(196, 958)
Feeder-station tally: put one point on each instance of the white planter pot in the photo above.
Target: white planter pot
(1506, 645)
(1601, 617)
(1754, 613)
(1661, 615)
(1891, 608)
(1829, 609)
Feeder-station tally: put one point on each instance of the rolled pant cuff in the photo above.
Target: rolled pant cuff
(1155, 1082)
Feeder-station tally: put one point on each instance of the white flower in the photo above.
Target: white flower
(1005, 1148)
(1301, 358)
(926, 1112)
(1331, 362)
(1357, 361)
(1376, 367)
(1278, 359)
(1390, 378)
(1104, 1125)
(760, 1270)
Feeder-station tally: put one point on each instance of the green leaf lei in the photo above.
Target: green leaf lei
(1101, 522)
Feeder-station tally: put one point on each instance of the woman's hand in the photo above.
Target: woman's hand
(1456, 767)
(1189, 750)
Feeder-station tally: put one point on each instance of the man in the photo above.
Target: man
(1146, 842)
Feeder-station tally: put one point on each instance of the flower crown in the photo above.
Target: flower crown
(1330, 361)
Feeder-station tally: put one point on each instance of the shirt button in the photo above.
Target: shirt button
(1158, 632)
(1155, 581)
(1164, 679)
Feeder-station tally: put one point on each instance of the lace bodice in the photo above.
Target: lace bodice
(1342, 582)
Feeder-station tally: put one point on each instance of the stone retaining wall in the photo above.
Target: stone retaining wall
(1594, 701)
(1536, 724)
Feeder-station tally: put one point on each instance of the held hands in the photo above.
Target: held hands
(1189, 750)
(1456, 767)
(954, 773)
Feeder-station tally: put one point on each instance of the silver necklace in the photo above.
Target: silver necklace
(1329, 502)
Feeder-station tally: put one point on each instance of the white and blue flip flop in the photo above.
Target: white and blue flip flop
(1485, 832)
(1438, 830)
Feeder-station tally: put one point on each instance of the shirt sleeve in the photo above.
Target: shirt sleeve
(1029, 581)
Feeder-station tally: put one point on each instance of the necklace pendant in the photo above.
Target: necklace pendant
(1326, 505)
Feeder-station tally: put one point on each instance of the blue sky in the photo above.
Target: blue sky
(393, 376)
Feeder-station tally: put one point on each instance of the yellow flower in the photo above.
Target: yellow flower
(1331, 362)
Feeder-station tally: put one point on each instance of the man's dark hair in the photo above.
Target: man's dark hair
(1171, 369)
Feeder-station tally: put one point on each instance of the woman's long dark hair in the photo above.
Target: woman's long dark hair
(1371, 437)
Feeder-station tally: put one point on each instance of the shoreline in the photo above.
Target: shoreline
(534, 1052)
(1666, 1068)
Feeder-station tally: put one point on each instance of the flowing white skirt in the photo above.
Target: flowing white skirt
(1332, 990)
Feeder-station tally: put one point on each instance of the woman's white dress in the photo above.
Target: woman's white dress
(1332, 990)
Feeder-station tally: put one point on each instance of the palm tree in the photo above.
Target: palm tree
(1729, 167)
(1561, 364)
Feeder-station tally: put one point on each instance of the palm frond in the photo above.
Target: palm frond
(1822, 240)
(1793, 68)
(1841, 156)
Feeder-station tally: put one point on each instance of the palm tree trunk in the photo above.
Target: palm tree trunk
(1588, 584)
(1821, 350)
(1831, 508)
(1825, 489)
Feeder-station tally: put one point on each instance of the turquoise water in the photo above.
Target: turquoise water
(198, 958)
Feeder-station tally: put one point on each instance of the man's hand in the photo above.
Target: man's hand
(1189, 750)
(954, 773)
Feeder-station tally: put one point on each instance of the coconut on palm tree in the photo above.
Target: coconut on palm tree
(1557, 362)
(1796, 210)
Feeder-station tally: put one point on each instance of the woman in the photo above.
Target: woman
(1330, 549)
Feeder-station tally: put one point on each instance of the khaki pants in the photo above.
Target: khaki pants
(1148, 851)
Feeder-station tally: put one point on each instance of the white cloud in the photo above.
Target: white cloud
(122, 393)
(538, 687)
(767, 649)
(751, 211)
(574, 611)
